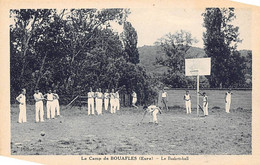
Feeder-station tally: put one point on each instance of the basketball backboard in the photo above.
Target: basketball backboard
(195, 66)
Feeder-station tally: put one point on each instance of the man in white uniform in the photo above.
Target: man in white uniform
(117, 101)
(50, 108)
(187, 99)
(91, 96)
(56, 104)
(106, 99)
(165, 99)
(112, 101)
(228, 100)
(134, 96)
(205, 103)
(99, 98)
(153, 110)
(38, 97)
(22, 106)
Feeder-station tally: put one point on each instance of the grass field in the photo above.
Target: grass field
(76, 133)
(240, 98)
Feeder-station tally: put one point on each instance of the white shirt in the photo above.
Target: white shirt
(134, 95)
(50, 97)
(56, 96)
(38, 96)
(187, 97)
(99, 95)
(151, 108)
(21, 98)
(164, 94)
(228, 96)
(117, 95)
(106, 95)
(90, 95)
(205, 98)
(112, 95)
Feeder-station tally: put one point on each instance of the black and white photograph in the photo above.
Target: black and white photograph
(122, 82)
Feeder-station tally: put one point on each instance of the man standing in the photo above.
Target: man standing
(56, 105)
(134, 96)
(228, 100)
(38, 97)
(22, 106)
(165, 99)
(50, 109)
(99, 98)
(187, 99)
(106, 99)
(112, 101)
(117, 101)
(205, 103)
(91, 96)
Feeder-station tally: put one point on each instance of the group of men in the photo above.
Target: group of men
(52, 105)
(96, 100)
(205, 104)
(187, 99)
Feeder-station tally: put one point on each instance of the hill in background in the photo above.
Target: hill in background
(148, 56)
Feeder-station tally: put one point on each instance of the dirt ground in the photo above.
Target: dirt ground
(76, 133)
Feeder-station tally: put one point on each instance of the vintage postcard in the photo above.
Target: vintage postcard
(132, 82)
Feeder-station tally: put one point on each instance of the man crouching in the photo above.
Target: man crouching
(153, 110)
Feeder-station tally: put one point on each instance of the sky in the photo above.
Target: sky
(153, 23)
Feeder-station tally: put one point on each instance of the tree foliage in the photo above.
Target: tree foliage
(72, 50)
(220, 43)
(130, 43)
(174, 48)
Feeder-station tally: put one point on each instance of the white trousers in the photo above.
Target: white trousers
(91, 105)
(39, 111)
(112, 106)
(205, 109)
(99, 106)
(50, 110)
(134, 100)
(228, 105)
(56, 106)
(22, 113)
(117, 104)
(188, 106)
(106, 101)
(154, 113)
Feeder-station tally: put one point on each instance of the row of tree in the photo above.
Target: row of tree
(229, 69)
(73, 50)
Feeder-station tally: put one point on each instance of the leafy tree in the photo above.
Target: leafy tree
(72, 50)
(220, 43)
(130, 43)
(174, 48)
